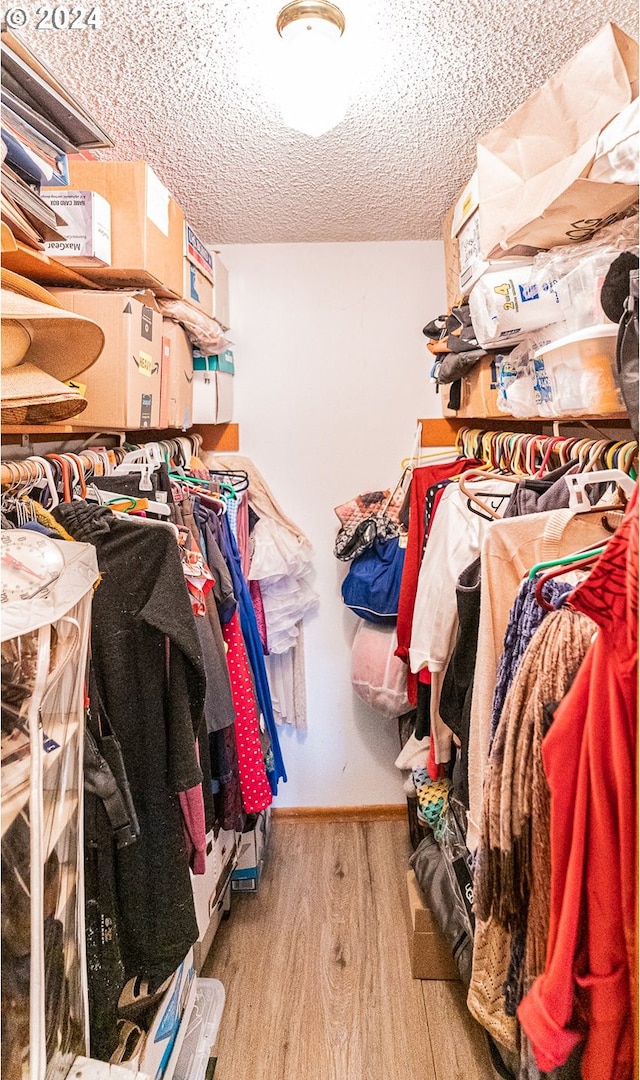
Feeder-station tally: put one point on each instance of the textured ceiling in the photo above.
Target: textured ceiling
(188, 86)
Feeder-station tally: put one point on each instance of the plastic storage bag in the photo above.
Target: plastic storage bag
(506, 305)
(378, 677)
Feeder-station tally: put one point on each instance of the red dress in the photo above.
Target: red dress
(254, 786)
(421, 480)
(588, 990)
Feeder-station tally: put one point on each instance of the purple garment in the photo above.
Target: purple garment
(525, 617)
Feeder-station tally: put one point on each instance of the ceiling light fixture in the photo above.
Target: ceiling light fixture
(314, 92)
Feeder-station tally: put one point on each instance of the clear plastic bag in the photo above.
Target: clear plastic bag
(456, 860)
(378, 676)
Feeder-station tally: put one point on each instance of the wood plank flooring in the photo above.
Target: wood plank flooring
(316, 968)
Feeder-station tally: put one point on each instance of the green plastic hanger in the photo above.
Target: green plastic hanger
(566, 560)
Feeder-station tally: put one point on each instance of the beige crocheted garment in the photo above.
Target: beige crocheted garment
(513, 870)
(491, 956)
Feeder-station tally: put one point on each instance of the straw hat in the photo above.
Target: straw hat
(43, 346)
(19, 284)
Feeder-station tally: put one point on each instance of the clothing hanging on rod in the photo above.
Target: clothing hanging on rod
(512, 648)
(175, 639)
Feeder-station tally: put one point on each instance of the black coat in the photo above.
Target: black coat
(151, 681)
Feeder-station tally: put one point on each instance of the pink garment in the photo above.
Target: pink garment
(242, 530)
(256, 793)
(194, 826)
(256, 599)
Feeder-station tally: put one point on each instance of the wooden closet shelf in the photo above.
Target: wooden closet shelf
(221, 437)
(442, 431)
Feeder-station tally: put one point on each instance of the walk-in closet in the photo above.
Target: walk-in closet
(319, 540)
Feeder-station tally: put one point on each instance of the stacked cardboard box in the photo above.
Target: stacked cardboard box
(429, 953)
(141, 381)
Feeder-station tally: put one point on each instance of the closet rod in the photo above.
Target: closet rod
(29, 469)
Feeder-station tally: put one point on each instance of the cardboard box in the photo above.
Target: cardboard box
(465, 230)
(479, 397)
(213, 388)
(88, 230)
(123, 386)
(221, 305)
(451, 260)
(252, 853)
(196, 288)
(430, 955)
(211, 890)
(176, 392)
(147, 226)
(197, 252)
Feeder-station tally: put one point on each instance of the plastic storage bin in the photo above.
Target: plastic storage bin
(580, 290)
(202, 1029)
(574, 375)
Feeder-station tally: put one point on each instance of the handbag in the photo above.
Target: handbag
(370, 516)
(372, 587)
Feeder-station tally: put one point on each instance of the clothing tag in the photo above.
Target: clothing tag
(80, 387)
(465, 883)
(145, 411)
(49, 745)
(146, 329)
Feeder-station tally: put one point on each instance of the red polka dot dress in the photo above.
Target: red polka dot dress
(254, 786)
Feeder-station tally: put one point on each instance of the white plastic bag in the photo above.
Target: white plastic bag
(506, 305)
(378, 677)
(617, 160)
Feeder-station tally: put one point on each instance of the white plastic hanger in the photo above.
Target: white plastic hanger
(100, 495)
(48, 473)
(152, 459)
(577, 482)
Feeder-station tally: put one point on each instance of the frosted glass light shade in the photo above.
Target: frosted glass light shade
(313, 85)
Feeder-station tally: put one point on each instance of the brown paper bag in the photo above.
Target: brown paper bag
(532, 168)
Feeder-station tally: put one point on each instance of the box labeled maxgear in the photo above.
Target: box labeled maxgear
(147, 226)
(252, 853)
(87, 233)
(176, 393)
(213, 388)
(429, 953)
(123, 386)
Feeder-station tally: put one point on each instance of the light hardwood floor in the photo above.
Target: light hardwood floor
(316, 968)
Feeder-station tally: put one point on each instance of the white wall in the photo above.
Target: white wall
(331, 375)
